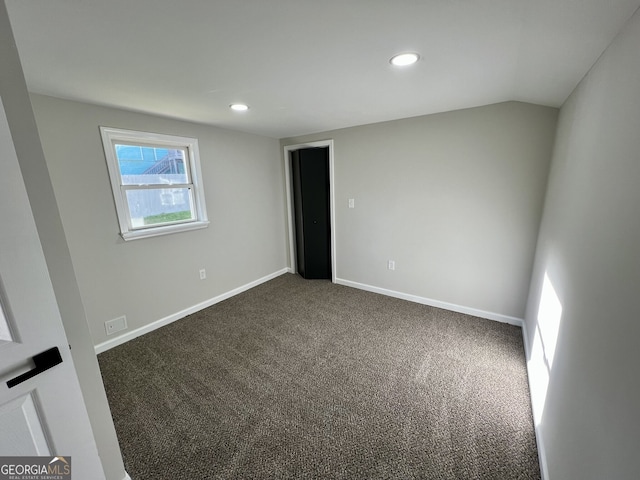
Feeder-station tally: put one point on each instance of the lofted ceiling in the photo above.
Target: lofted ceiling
(306, 66)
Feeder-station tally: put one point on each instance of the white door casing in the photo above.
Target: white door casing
(46, 414)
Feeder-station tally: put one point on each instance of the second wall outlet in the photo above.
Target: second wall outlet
(203, 274)
(391, 265)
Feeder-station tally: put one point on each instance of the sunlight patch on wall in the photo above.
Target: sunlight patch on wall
(544, 346)
(549, 315)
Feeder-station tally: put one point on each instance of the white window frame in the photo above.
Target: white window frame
(112, 136)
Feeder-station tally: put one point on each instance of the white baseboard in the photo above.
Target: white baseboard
(126, 476)
(542, 455)
(498, 317)
(104, 346)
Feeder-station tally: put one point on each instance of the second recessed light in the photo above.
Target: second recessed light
(404, 59)
(239, 107)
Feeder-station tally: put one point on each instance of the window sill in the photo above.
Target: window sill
(165, 230)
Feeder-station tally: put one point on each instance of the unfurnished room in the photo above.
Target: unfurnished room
(351, 239)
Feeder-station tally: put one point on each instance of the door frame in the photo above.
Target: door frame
(289, 188)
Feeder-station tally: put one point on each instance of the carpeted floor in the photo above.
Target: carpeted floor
(307, 379)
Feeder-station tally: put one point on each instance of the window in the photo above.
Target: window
(156, 182)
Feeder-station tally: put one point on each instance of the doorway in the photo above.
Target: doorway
(293, 253)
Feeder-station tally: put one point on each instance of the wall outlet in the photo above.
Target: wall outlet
(203, 274)
(115, 325)
(391, 265)
(352, 203)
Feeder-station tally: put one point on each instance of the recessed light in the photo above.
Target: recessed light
(239, 107)
(404, 59)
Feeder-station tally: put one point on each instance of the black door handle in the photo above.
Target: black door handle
(43, 361)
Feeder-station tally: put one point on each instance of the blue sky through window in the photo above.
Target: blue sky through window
(137, 160)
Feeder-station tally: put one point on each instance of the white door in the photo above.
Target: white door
(44, 415)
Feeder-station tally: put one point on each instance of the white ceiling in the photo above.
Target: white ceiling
(310, 65)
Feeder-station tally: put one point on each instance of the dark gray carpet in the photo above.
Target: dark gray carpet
(307, 379)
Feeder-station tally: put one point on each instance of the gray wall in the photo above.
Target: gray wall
(14, 93)
(454, 198)
(585, 383)
(152, 278)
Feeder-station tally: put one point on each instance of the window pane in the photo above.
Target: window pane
(158, 206)
(156, 182)
(143, 165)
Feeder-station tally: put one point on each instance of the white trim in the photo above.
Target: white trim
(542, 455)
(498, 317)
(104, 346)
(126, 476)
(332, 211)
(163, 230)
